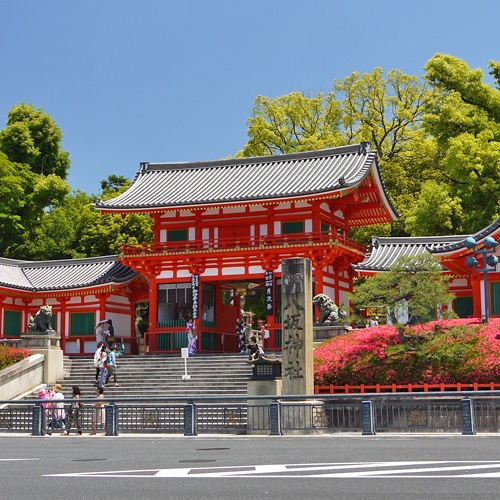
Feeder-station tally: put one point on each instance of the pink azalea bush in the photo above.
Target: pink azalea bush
(11, 355)
(446, 351)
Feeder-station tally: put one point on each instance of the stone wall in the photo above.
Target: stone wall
(22, 377)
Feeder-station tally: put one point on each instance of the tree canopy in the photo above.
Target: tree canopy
(411, 290)
(33, 138)
(463, 114)
(437, 140)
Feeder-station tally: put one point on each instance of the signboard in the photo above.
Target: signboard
(268, 280)
(195, 294)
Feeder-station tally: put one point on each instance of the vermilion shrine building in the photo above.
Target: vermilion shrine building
(221, 230)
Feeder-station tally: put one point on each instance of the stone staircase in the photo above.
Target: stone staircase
(161, 376)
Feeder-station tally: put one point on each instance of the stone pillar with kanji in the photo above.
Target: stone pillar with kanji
(297, 327)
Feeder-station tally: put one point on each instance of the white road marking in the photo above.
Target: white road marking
(17, 459)
(348, 470)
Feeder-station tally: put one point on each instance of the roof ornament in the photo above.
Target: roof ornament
(375, 242)
(342, 181)
(144, 166)
(365, 147)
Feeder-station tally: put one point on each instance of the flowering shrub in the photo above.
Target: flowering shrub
(11, 355)
(447, 351)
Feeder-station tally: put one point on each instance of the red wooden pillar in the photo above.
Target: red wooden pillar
(476, 295)
(62, 326)
(153, 313)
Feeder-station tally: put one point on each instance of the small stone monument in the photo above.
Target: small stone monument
(41, 338)
(297, 318)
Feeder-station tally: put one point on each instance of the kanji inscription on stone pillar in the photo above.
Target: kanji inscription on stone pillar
(297, 327)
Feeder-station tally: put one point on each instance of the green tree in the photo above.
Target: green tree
(436, 212)
(293, 123)
(75, 229)
(32, 137)
(114, 185)
(13, 179)
(385, 111)
(463, 114)
(413, 285)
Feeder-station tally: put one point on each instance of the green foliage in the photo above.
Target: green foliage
(12, 355)
(456, 351)
(385, 111)
(414, 284)
(114, 185)
(435, 212)
(463, 114)
(33, 138)
(75, 229)
(292, 123)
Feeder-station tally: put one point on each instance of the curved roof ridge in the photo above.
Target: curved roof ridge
(478, 236)
(352, 148)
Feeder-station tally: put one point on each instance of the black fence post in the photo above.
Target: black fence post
(468, 417)
(38, 423)
(190, 419)
(111, 427)
(275, 418)
(368, 418)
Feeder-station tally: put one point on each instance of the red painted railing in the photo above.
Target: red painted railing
(378, 388)
(241, 243)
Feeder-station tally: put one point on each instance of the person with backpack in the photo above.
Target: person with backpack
(112, 365)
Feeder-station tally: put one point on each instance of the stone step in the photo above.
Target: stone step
(161, 376)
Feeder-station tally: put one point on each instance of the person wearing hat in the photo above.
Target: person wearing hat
(58, 413)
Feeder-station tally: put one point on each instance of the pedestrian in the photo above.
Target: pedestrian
(46, 395)
(74, 419)
(97, 362)
(254, 349)
(100, 331)
(58, 413)
(241, 330)
(98, 414)
(110, 338)
(103, 366)
(112, 365)
(192, 337)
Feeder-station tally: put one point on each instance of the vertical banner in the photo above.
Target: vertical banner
(195, 294)
(268, 280)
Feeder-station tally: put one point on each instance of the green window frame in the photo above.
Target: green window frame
(325, 227)
(174, 235)
(12, 321)
(495, 297)
(82, 324)
(463, 306)
(292, 227)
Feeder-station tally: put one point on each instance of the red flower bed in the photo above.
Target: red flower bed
(11, 355)
(448, 351)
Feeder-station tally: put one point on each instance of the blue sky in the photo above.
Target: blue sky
(165, 81)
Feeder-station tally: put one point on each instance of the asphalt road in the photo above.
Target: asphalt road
(250, 467)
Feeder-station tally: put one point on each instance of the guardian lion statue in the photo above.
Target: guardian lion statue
(329, 311)
(40, 322)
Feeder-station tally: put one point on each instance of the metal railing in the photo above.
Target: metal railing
(465, 413)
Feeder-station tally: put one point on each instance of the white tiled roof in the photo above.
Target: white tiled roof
(384, 252)
(164, 185)
(63, 274)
